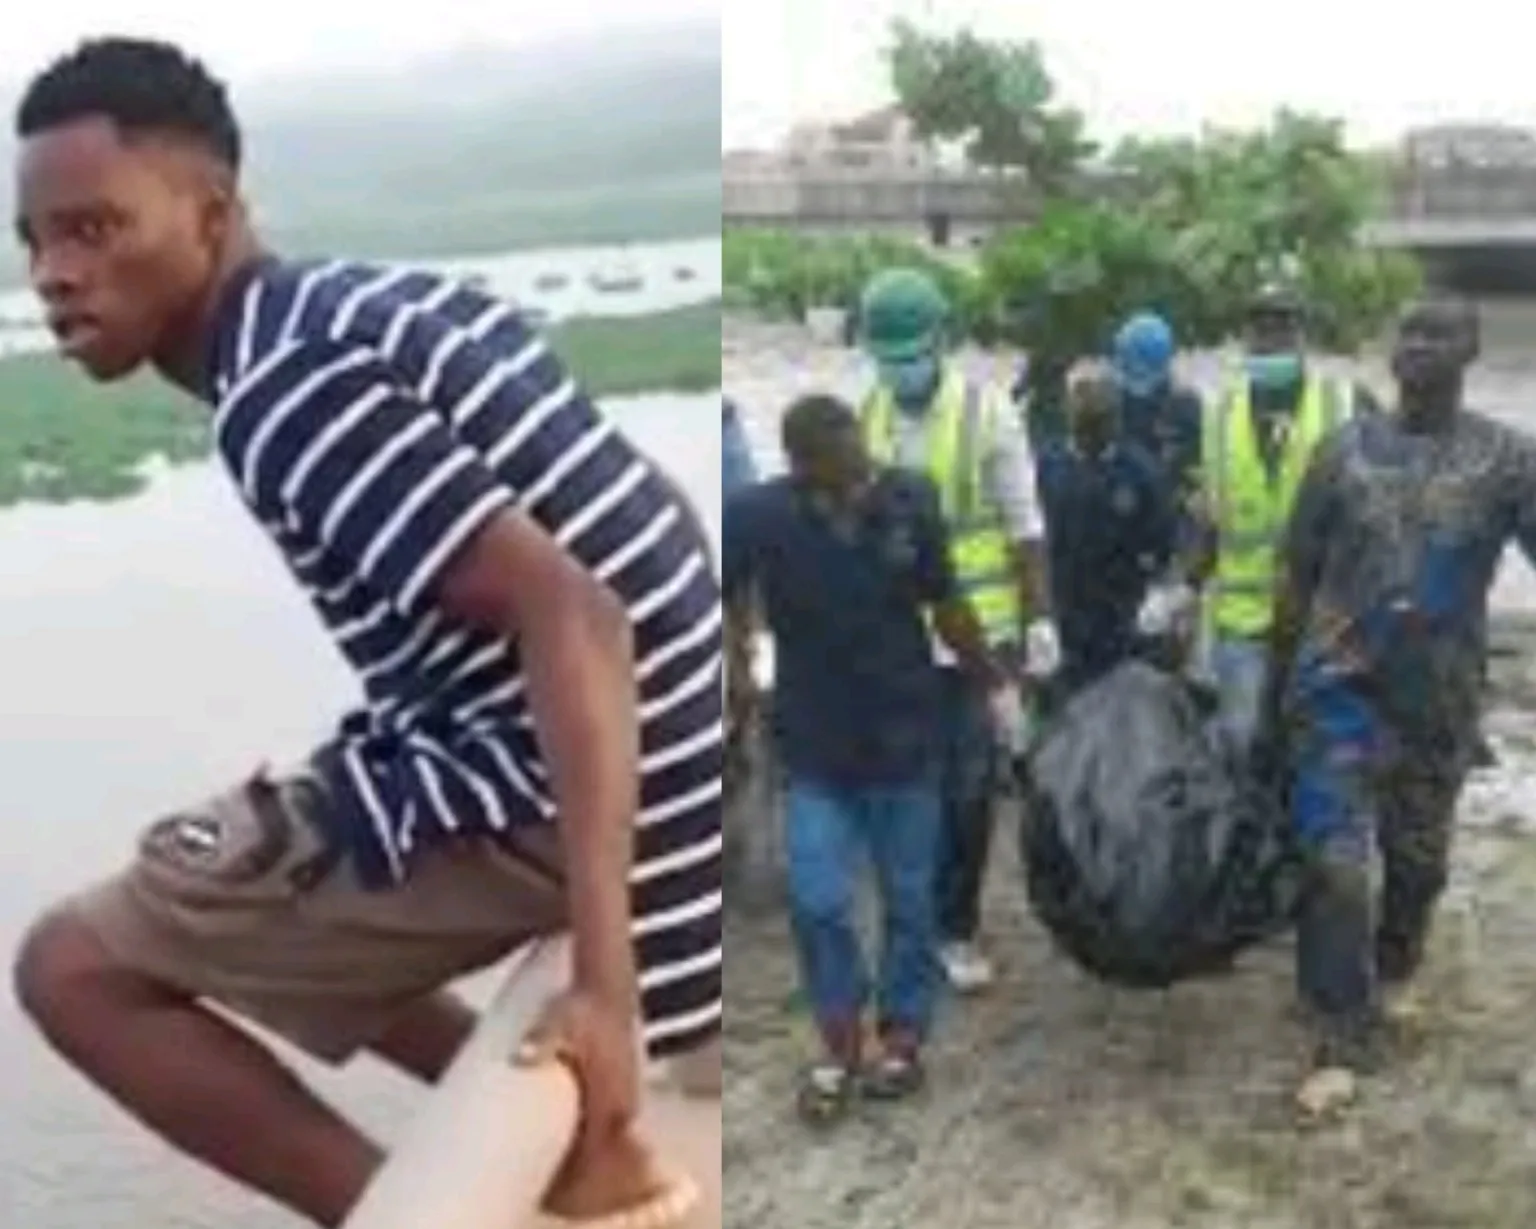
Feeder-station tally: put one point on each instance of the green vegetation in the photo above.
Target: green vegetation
(1190, 227)
(617, 356)
(63, 438)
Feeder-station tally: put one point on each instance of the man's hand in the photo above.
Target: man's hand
(1042, 649)
(1166, 610)
(610, 1171)
(596, 1040)
(1011, 722)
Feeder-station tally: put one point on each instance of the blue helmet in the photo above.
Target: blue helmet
(1143, 353)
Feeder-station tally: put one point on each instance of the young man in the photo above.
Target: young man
(846, 559)
(1397, 534)
(1111, 528)
(530, 613)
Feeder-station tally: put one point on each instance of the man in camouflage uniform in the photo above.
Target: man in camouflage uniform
(1392, 550)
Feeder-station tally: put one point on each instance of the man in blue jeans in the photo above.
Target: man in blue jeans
(844, 560)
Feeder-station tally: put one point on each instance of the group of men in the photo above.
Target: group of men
(939, 566)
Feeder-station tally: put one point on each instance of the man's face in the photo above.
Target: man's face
(837, 465)
(1091, 411)
(1273, 331)
(122, 239)
(1436, 342)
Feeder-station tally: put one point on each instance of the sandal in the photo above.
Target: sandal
(826, 1092)
(893, 1077)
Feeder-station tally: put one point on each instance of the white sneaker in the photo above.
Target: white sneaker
(967, 967)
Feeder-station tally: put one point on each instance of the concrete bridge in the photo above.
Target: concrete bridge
(1474, 227)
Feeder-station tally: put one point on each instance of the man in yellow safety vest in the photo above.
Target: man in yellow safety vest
(1257, 441)
(925, 414)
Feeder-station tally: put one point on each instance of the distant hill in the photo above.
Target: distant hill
(589, 139)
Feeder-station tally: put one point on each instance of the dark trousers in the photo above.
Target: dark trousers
(1356, 816)
(968, 786)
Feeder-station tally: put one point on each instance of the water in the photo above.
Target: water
(151, 651)
(669, 275)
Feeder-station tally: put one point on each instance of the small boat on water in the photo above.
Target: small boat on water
(547, 283)
(477, 281)
(683, 274)
(616, 281)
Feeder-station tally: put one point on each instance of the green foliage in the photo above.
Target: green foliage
(996, 97)
(1189, 226)
(782, 274)
(672, 351)
(64, 438)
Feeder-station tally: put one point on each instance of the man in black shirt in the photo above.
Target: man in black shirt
(845, 561)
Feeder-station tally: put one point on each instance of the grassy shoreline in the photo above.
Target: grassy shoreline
(63, 438)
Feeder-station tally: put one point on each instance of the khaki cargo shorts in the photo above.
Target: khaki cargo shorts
(238, 901)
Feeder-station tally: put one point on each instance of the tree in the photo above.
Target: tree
(995, 97)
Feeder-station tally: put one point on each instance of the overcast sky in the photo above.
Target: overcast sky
(261, 40)
(1157, 64)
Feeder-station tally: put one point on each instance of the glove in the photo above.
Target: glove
(1164, 609)
(1042, 649)
(1011, 723)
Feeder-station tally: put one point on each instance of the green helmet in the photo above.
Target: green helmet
(902, 315)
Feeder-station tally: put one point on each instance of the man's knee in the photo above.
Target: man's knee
(818, 894)
(63, 975)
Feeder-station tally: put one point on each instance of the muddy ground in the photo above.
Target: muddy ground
(1056, 1102)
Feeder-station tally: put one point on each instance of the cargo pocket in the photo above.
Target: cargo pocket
(250, 841)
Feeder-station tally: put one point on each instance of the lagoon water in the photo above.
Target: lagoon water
(562, 282)
(150, 651)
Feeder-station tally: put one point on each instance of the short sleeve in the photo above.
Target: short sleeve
(325, 441)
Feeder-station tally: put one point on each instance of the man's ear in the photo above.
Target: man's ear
(220, 211)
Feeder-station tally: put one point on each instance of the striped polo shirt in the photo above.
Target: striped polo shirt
(373, 420)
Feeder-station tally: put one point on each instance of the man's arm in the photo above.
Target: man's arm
(954, 621)
(1520, 492)
(738, 574)
(1014, 481)
(1158, 531)
(1303, 552)
(1201, 546)
(512, 579)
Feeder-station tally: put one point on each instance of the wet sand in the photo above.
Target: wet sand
(1057, 1103)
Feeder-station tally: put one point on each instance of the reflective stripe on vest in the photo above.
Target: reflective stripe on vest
(960, 426)
(1251, 510)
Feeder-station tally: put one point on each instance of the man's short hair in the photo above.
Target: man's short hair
(143, 87)
(813, 420)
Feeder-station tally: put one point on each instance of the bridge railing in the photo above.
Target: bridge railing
(855, 195)
(1464, 192)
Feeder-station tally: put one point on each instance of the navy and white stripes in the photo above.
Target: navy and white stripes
(374, 420)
